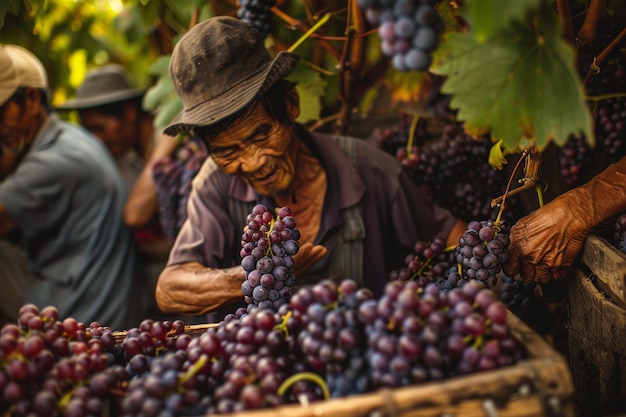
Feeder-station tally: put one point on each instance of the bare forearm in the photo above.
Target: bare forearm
(142, 203)
(194, 289)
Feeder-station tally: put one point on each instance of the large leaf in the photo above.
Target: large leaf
(310, 87)
(489, 16)
(162, 96)
(520, 84)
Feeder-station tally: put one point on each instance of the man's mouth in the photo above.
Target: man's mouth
(264, 175)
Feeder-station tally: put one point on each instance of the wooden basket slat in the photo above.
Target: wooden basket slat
(192, 329)
(609, 267)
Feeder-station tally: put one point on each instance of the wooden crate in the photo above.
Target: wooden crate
(596, 330)
(540, 385)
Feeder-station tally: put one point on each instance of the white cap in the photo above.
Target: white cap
(19, 68)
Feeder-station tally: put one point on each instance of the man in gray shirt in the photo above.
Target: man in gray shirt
(61, 192)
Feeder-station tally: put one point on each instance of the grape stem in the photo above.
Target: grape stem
(597, 60)
(409, 143)
(283, 324)
(202, 360)
(299, 25)
(303, 376)
(532, 165)
(508, 186)
(587, 33)
(308, 33)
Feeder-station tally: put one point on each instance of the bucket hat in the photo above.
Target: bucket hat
(19, 68)
(218, 67)
(103, 85)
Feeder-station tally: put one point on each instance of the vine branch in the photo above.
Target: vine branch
(595, 68)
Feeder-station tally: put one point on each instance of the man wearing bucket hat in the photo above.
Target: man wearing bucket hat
(358, 213)
(63, 196)
(111, 108)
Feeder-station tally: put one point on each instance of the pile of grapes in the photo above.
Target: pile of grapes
(330, 340)
(478, 258)
(172, 177)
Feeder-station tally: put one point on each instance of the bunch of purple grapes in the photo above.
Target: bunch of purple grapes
(267, 249)
(409, 31)
(482, 250)
(172, 177)
(331, 337)
(44, 360)
(453, 168)
(149, 339)
(610, 127)
(176, 382)
(418, 334)
(574, 157)
(428, 263)
(257, 13)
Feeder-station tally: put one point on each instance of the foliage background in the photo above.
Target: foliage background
(512, 69)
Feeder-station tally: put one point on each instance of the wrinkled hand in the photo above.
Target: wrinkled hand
(544, 244)
(307, 255)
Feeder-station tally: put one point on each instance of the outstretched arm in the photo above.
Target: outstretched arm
(544, 244)
(142, 203)
(194, 289)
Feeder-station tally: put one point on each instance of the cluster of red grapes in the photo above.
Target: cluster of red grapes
(408, 30)
(149, 339)
(237, 365)
(482, 250)
(610, 122)
(428, 262)
(573, 156)
(479, 256)
(51, 367)
(453, 168)
(423, 335)
(267, 249)
(579, 161)
(257, 13)
(172, 177)
(331, 338)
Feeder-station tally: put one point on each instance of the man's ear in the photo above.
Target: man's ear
(293, 103)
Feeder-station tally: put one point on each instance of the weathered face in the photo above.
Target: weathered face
(18, 124)
(258, 149)
(114, 131)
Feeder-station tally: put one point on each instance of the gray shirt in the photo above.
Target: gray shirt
(67, 198)
(395, 214)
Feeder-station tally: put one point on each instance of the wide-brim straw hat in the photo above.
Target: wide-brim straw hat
(220, 66)
(103, 85)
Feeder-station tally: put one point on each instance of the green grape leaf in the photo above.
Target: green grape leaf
(520, 85)
(162, 97)
(486, 17)
(496, 156)
(310, 87)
